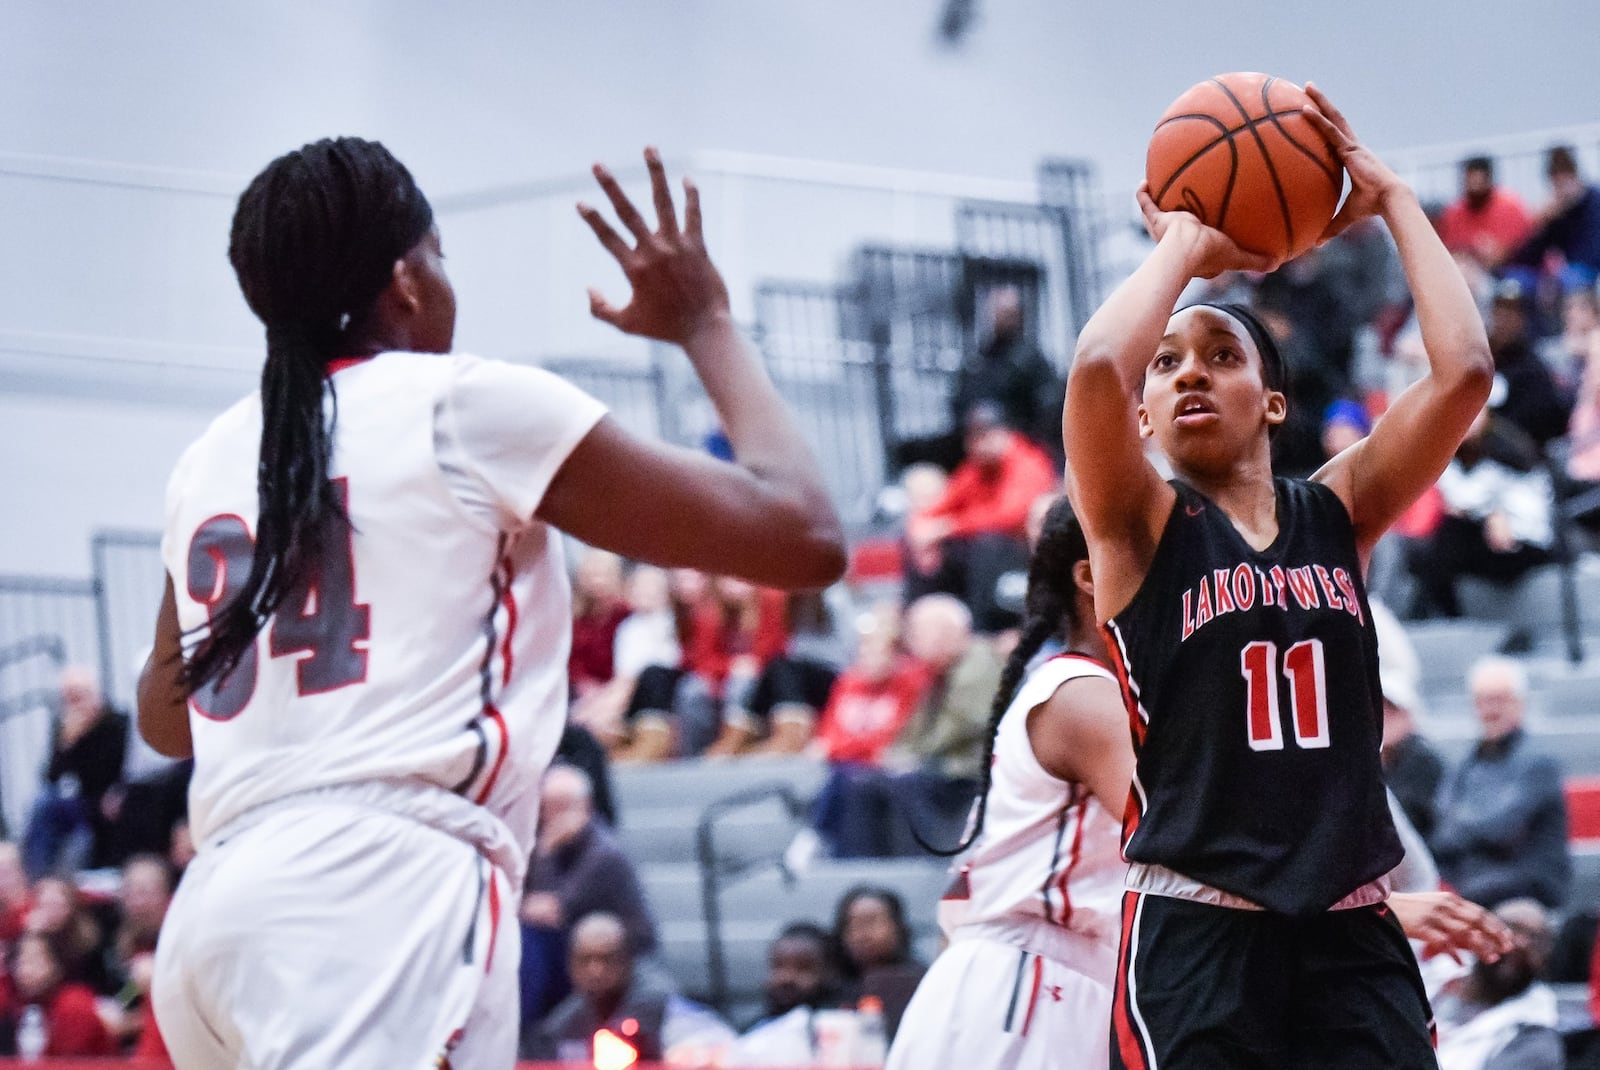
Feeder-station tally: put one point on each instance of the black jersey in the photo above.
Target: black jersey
(1251, 679)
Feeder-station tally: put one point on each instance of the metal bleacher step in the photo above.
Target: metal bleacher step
(756, 906)
(667, 833)
(695, 783)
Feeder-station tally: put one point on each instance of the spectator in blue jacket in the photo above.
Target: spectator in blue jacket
(1502, 825)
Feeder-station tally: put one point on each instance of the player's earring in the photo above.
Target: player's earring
(344, 321)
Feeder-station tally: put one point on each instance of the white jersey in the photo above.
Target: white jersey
(429, 650)
(1049, 854)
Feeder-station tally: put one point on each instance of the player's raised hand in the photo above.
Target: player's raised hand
(1372, 183)
(1212, 252)
(1445, 923)
(676, 289)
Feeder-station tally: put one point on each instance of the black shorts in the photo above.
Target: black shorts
(1204, 987)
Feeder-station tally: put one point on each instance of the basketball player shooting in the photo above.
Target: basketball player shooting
(1254, 932)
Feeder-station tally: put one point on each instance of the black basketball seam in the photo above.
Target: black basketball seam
(1266, 158)
(1226, 135)
(1333, 176)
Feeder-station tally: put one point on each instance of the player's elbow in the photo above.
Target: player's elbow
(818, 557)
(1471, 375)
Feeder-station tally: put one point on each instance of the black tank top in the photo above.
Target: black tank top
(1251, 679)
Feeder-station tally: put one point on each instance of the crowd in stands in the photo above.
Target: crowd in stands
(890, 685)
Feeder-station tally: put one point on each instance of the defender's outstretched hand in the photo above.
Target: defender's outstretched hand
(1445, 923)
(677, 291)
(1211, 251)
(1372, 183)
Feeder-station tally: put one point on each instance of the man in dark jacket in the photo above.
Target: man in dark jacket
(607, 994)
(69, 827)
(1502, 831)
(1010, 372)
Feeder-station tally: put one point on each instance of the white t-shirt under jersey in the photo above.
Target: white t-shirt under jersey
(432, 652)
(1049, 854)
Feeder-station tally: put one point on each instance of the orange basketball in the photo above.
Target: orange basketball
(1236, 151)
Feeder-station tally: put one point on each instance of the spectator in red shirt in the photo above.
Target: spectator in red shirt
(70, 1021)
(873, 699)
(598, 609)
(975, 532)
(1488, 223)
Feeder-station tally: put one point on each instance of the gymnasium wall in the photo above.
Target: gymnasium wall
(126, 130)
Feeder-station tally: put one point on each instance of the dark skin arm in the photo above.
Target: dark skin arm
(163, 702)
(1379, 477)
(1080, 734)
(766, 518)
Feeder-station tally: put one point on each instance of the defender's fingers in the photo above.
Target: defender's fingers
(692, 223)
(609, 238)
(603, 310)
(661, 193)
(625, 210)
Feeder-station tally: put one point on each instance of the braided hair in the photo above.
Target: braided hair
(1049, 609)
(314, 243)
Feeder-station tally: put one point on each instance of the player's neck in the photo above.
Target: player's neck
(1247, 495)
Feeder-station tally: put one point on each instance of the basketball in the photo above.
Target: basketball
(1236, 151)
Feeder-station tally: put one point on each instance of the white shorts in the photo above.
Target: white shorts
(986, 1005)
(336, 935)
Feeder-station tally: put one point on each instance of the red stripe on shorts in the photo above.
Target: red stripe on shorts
(1127, 1037)
(494, 918)
(1033, 995)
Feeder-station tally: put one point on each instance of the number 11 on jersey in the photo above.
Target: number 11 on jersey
(1308, 694)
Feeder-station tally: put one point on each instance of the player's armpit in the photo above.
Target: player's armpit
(1080, 734)
(163, 701)
(675, 508)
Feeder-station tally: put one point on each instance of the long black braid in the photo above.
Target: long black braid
(1049, 611)
(314, 243)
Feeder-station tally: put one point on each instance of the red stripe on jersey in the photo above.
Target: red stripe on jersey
(494, 918)
(1128, 1046)
(1072, 861)
(510, 601)
(334, 367)
(1136, 725)
(494, 716)
(1033, 994)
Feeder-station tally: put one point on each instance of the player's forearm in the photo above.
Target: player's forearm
(764, 436)
(1127, 329)
(1448, 317)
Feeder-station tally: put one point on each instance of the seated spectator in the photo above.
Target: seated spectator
(1569, 225)
(52, 1015)
(976, 531)
(68, 829)
(870, 927)
(1502, 822)
(60, 913)
(16, 897)
(803, 976)
(1411, 767)
(578, 868)
(144, 895)
(1567, 354)
(873, 699)
(606, 994)
(1009, 372)
(783, 707)
(1488, 222)
(1497, 523)
(1525, 391)
(1344, 423)
(929, 774)
(144, 812)
(671, 710)
(1501, 1016)
(1583, 432)
(581, 750)
(598, 610)
(647, 636)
